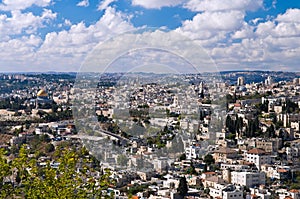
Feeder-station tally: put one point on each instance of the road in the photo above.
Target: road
(98, 138)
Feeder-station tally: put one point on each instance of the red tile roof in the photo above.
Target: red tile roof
(257, 151)
(209, 172)
(237, 105)
(225, 151)
(282, 170)
(294, 191)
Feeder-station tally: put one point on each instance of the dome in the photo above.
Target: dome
(42, 93)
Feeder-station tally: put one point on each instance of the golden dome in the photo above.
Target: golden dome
(42, 93)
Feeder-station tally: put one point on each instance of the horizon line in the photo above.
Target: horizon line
(65, 72)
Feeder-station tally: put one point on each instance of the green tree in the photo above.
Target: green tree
(49, 148)
(208, 159)
(122, 160)
(271, 132)
(182, 187)
(70, 178)
(191, 170)
(182, 157)
(6, 189)
(290, 107)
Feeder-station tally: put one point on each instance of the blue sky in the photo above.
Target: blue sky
(50, 35)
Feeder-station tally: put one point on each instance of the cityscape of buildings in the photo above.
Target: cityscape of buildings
(178, 136)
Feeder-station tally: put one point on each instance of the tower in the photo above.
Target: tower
(240, 81)
(176, 101)
(201, 89)
(269, 80)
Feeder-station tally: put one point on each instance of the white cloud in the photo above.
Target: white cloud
(83, 3)
(212, 26)
(70, 47)
(255, 21)
(59, 51)
(233, 43)
(219, 26)
(217, 5)
(17, 54)
(8, 5)
(291, 15)
(287, 29)
(265, 29)
(104, 4)
(284, 25)
(157, 4)
(19, 22)
(67, 22)
(246, 31)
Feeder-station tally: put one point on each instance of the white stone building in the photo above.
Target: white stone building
(248, 178)
(258, 157)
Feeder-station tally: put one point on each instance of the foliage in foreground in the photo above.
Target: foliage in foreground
(72, 175)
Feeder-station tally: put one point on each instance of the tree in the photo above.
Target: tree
(63, 181)
(271, 132)
(182, 187)
(290, 107)
(191, 170)
(208, 159)
(122, 160)
(44, 138)
(182, 157)
(239, 125)
(49, 148)
(6, 189)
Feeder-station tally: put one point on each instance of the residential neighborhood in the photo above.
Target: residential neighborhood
(179, 136)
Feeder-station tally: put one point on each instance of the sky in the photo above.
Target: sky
(57, 35)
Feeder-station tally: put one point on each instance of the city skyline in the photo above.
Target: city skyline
(48, 35)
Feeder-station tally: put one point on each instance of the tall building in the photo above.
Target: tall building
(241, 81)
(296, 81)
(269, 80)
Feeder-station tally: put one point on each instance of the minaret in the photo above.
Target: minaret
(176, 101)
(201, 86)
(240, 81)
(36, 103)
(201, 89)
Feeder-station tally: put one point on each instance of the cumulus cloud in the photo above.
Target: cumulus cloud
(20, 22)
(104, 4)
(218, 21)
(284, 25)
(8, 5)
(246, 31)
(66, 47)
(219, 26)
(67, 22)
(202, 5)
(84, 3)
(291, 15)
(259, 53)
(157, 4)
(17, 54)
(232, 42)
(211, 27)
(73, 45)
(217, 5)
